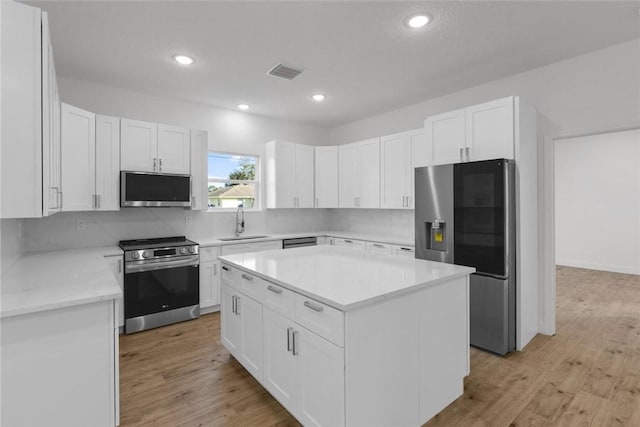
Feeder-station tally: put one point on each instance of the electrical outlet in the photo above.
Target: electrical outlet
(81, 225)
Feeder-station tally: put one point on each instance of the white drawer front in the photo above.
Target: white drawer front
(320, 318)
(280, 300)
(406, 251)
(380, 248)
(267, 246)
(236, 249)
(208, 253)
(356, 244)
(252, 286)
(231, 276)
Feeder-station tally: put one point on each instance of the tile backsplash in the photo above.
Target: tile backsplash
(89, 229)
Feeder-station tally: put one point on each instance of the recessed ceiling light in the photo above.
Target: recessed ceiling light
(183, 59)
(318, 97)
(243, 106)
(418, 21)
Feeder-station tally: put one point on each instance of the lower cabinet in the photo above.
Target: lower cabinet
(230, 327)
(116, 266)
(209, 284)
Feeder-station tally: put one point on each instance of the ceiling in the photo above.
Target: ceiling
(360, 54)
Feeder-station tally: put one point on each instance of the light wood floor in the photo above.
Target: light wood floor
(588, 374)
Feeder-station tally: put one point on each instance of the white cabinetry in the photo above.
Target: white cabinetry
(30, 111)
(400, 154)
(116, 266)
(326, 177)
(90, 160)
(209, 284)
(149, 147)
(479, 132)
(78, 143)
(359, 174)
(199, 170)
(251, 247)
(289, 175)
(381, 248)
(358, 244)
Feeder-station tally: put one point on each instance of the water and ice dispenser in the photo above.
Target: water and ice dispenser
(436, 233)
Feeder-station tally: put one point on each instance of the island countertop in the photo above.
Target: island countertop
(342, 277)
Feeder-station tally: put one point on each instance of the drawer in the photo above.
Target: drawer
(236, 249)
(320, 318)
(356, 244)
(380, 248)
(231, 276)
(406, 251)
(280, 300)
(267, 246)
(252, 286)
(208, 253)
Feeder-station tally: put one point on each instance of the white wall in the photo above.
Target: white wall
(598, 201)
(598, 90)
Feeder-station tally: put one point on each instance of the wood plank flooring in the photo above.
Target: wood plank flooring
(588, 374)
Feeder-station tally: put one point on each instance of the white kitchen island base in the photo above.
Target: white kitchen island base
(379, 355)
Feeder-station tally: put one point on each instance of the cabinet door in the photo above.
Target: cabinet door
(21, 125)
(209, 283)
(280, 367)
(173, 150)
(107, 163)
(490, 132)
(380, 248)
(321, 388)
(50, 127)
(369, 174)
(303, 176)
(138, 146)
(395, 166)
(199, 170)
(230, 329)
(115, 265)
(418, 158)
(250, 313)
(236, 249)
(326, 177)
(285, 155)
(357, 244)
(445, 135)
(78, 142)
(266, 246)
(348, 175)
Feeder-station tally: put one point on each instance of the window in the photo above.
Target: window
(233, 181)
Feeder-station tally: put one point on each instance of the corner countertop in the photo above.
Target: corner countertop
(343, 277)
(42, 281)
(379, 238)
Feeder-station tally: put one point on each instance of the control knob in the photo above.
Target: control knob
(192, 250)
(183, 251)
(135, 255)
(145, 254)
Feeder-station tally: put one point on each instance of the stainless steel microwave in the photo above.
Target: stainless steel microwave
(148, 189)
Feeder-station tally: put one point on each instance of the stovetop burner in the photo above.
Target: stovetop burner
(158, 242)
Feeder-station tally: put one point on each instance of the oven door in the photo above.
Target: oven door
(172, 288)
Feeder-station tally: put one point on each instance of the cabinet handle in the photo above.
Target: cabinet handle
(378, 245)
(408, 201)
(461, 159)
(56, 189)
(467, 151)
(215, 269)
(406, 249)
(348, 241)
(289, 330)
(233, 303)
(98, 200)
(160, 161)
(119, 266)
(314, 307)
(155, 163)
(225, 268)
(238, 305)
(247, 277)
(274, 289)
(293, 336)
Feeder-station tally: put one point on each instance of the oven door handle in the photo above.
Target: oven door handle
(136, 268)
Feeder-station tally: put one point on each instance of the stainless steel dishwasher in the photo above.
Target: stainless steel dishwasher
(299, 242)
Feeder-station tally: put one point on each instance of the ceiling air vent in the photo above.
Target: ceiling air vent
(286, 71)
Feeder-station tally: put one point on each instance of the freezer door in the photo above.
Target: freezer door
(434, 213)
(492, 313)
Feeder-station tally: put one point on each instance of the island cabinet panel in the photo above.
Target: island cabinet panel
(320, 318)
(451, 357)
(230, 328)
(280, 369)
(250, 313)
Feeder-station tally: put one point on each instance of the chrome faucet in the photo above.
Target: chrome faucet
(239, 220)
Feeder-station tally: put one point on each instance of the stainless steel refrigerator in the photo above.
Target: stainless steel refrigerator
(465, 215)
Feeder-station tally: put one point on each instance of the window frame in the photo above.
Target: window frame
(257, 204)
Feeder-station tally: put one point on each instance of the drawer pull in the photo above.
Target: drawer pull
(314, 307)
(348, 241)
(406, 249)
(225, 268)
(274, 289)
(247, 277)
(289, 330)
(294, 336)
(378, 245)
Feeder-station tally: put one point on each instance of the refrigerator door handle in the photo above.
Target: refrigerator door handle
(461, 158)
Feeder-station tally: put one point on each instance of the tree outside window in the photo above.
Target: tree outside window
(232, 181)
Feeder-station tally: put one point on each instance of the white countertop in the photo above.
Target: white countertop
(343, 277)
(379, 238)
(49, 280)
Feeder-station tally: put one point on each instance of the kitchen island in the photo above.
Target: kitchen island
(344, 337)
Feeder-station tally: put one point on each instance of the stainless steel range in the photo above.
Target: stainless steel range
(161, 282)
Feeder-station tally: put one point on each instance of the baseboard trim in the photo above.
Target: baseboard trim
(600, 267)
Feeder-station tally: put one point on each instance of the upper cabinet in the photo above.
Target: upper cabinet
(30, 110)
(289, 175)
(90, 146)
(199, 170)
(479, 132)
(326, 177)
(359, 174)
(399, 155)
(149, 147)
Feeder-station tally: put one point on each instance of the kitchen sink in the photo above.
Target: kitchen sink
(231, 239)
